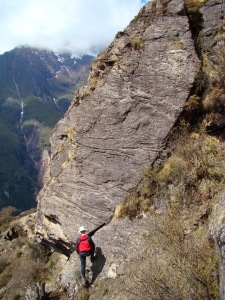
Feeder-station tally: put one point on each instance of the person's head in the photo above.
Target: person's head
(82, 230)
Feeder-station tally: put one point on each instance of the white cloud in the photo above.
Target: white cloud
(72, 25)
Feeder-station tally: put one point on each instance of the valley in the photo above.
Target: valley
(36, 89)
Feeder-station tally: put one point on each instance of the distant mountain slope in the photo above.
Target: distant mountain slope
(36, 88)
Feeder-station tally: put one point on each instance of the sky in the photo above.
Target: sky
(74, 26)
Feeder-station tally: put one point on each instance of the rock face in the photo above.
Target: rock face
(116, 127)
(117, 124)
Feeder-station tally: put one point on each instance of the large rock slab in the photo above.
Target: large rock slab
(117, 124)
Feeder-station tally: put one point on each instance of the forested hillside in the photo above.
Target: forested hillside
(36, 88)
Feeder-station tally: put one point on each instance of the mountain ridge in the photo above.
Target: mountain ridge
(36, 88)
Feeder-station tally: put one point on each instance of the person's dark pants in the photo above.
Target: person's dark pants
(83, 256)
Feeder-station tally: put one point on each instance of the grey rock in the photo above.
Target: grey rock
(114, 129)
(36, 292)
(117, 123)
(212, 21)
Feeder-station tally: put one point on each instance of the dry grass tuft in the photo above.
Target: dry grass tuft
(6, 216)
(136, 43)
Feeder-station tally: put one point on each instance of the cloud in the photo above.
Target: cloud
(76, 26)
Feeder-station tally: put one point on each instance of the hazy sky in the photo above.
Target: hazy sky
(76, 26)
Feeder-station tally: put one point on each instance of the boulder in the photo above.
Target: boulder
(116, 126)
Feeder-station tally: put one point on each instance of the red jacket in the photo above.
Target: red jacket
(84, 243)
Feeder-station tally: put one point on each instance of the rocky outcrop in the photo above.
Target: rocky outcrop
(117, 124)
(115, 127)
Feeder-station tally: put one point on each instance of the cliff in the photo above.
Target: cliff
(120, 122)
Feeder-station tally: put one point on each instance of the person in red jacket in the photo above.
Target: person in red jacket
(84, 247)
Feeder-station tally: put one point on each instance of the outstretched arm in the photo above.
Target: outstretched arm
(91, 233)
